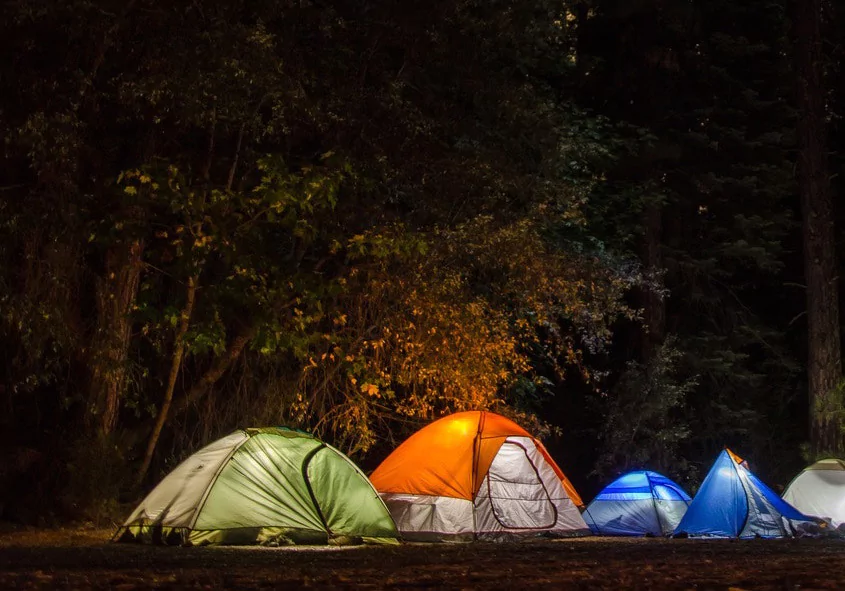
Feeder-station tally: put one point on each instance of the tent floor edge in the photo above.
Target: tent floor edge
(260, 536)
(158, 535)
(366, 540)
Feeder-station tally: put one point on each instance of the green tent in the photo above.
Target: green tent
(272, 486)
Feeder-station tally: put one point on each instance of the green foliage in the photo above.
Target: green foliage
(645, 425)
(393, 211)
(381, 208)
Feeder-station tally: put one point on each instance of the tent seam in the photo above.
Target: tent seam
(539, 479)
(474, 491)
(745, 492)
(654, 502)
(305, 463)
(201, 505)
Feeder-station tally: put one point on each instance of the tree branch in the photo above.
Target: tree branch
(214, 373)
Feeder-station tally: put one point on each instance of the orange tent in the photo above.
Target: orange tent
(461, 468)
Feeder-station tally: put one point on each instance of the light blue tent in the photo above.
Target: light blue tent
(638, 503)
(733, 503)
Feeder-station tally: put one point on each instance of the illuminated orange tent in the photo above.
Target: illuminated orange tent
(476, 474)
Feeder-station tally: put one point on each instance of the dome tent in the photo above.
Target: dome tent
(733, 503)
(265, 486)
(638, 503)
(476, 475)
(819, 490)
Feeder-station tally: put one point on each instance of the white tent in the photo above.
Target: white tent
(820, 491)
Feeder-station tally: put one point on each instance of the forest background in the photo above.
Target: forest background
(611, 220)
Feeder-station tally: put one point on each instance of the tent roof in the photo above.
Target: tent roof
(451, 456)
(733, 456)
(643, 484)
(282, 431)
(827, 464)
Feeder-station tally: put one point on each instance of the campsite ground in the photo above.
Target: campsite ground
(82, 559)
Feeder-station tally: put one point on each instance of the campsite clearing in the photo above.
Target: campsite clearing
(73, 559)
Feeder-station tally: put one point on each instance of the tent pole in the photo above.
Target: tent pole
(475, 452)
(305, 463)
(654, 503)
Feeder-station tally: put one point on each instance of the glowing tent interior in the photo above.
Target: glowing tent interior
(476, 475)
(640, 503)
(819, 490)
(733, 503)
(273, 486)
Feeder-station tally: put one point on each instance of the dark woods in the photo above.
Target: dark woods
(612, 220)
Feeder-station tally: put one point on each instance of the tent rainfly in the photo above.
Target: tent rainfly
(640, 503)
(476, 475)
(819, 490)
(272, 486)
(733, 503)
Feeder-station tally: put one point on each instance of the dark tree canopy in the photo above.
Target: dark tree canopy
(354, 217)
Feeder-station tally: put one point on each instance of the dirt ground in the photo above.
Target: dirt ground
(83, 559)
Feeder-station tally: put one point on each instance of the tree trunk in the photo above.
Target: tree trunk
(202, 386)
(824, 364)
(176, 364)
(216, 371)
(115, 296)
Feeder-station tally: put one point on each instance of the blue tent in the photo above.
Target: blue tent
(733, 503)
(637, 504)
